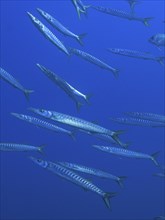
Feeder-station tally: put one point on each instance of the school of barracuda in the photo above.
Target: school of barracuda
(65, 169)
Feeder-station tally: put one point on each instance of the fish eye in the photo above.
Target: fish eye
(39, 160)
(42, 111)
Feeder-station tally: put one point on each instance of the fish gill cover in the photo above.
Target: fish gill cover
(102, 89)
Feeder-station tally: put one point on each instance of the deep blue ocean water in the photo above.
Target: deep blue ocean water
(27, 190)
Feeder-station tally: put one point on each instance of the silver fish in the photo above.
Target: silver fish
(19, 147)
(122, 14)
(94, 60)
(147, 116)
(48, 34)
(55, 23)
(127, 153)
(74, 178)
(138, 122)
(158, 40)
(93, 171)
(73, 93)
(81, 124)
(44, 124)
(12, 81)
(137, 54)
(80, 7)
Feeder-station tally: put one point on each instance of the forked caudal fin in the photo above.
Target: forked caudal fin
(107, 197)
(27, 93)
(80, 38)
(115, 136)
(154, 156)
(146, 21)
(120, 180)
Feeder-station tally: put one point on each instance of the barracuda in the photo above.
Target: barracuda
(19, 147)
(138, 122)
(93, 171)
(88, 57)
(74, 178)
(44, 124)
(127, 153)
(73, 93)
(56, 24)
(137, 54)
(122, 14)
(12, 81)
(81, 124)
(48, 34)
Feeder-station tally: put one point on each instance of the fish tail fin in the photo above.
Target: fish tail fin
(72, 135)
(87, 98)
(154, 156)
(80, 38)
(146, 21)
(27, 93)
(116, 134)
(161, 60)
(107, 197)
(79, 105)
(120, 180)
(41, 148)
(116, 73)
(79, 11)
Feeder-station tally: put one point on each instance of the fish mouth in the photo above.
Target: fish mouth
(39, 10)
(30, 15)
(40, 66)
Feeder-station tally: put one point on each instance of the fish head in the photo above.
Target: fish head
(20, 116)
(36, 21)
(42, 112)
(40, 162)
(42, 68)
(43, 13)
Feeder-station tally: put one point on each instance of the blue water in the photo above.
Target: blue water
(27, 190)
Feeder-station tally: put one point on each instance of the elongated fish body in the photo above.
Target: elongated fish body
(122, 14)
(12, 81)
(40, 123)
(73, 177)
(48, 34)
(136, 54)
(18, 147)
(56, 24)
(92, 171)
(147, 116)
(158, 40)
(65, 86)
(127, 153)
(81, 124)
(94, 60)
(138, 122)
